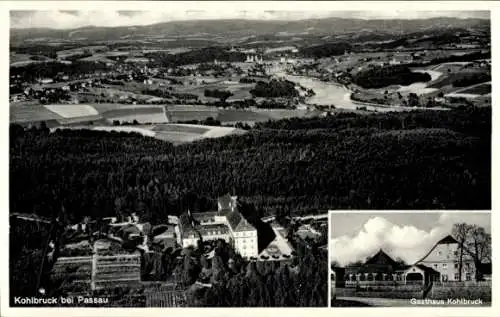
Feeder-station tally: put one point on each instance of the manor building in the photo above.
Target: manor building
(444, 258)
(227, 223)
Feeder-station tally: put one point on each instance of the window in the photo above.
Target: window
(456, 265)
(436, 266)
(456, 276)
(467, 277)
(455, 253)
(445, 265)
(444, 278)
(467, 265)
(439, 253)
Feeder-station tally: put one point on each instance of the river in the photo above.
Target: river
(334, 94)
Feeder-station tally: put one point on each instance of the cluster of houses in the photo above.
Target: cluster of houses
(106, 253)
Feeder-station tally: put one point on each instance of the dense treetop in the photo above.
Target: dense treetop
(418, 160)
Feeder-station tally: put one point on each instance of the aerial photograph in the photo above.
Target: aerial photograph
(411, 259)
(189, 158)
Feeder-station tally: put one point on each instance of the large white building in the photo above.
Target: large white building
(443, 257)
(227, 223)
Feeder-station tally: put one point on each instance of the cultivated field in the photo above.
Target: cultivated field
(174, 133)
(34, 113)
(73, 111)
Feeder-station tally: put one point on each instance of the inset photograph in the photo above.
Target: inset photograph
(410, 259)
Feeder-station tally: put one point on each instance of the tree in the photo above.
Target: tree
(474, 241)
(479, 248)
(461, 232)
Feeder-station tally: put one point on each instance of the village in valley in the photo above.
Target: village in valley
(186, 90)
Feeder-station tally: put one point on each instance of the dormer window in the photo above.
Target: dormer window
(439, 253)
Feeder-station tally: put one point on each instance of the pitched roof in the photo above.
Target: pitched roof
(238, 223)
(208, 230)
(447, 240)
(244, 225)
(233, 218)
(185, 223)
(201, 216)
(381, 258)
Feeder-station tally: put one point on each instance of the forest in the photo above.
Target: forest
(274, 89)
(204, 55)
(326, 50)
(216, 93)
(32, 72)
(388, 75)
(417, 160)
(262, 284)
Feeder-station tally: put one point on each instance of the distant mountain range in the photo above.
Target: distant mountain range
(211, 29)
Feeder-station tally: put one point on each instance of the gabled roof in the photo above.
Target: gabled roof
(244, 225)
(381, 258)
(446, 240)
(238, 223)
(185, 223)
(200, 216)
(233, 219)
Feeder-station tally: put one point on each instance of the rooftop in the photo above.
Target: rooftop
(213, 229)
(278, 249)
(447, 240)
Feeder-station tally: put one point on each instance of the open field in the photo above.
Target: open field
(481, 89)
(72, 111)
(34, 113)
(174, 133)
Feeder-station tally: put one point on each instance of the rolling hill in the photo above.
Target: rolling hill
(247, 28)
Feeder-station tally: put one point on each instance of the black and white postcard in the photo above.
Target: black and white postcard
(187, 154)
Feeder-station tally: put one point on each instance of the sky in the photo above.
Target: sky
(64, 19)
(409, 236)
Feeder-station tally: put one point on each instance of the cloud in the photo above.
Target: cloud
(74, 19)
(406, 242)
